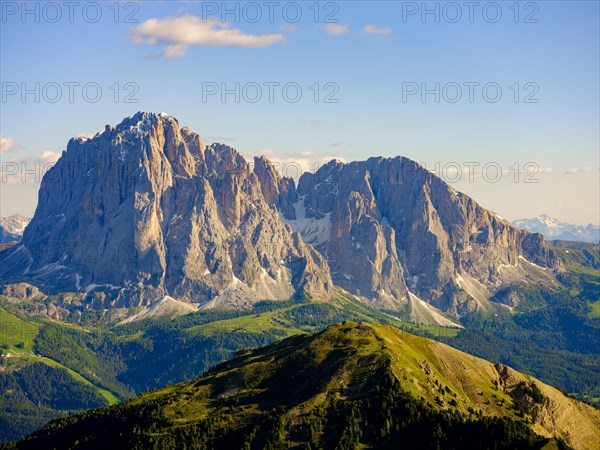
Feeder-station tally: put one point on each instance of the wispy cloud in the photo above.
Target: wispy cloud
(578, 170)
(29, 170)
(210, 139)
(179, 33)
(372, 29)
(48, 156)
(290, 28)
(336, 29)
(7, 144)
(312, 122)
(539, 170)
(83, 134)
(173, 51)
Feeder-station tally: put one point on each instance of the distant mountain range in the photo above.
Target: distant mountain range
(144, 210)
(354, 386)
(12, 227)
(553, 229)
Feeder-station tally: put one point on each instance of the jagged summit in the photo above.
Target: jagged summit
(144, 210)
(391, 229)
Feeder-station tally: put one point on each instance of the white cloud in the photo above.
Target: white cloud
(48, 156)
(85, 135)
(291, 28)
(578, 170)
(336, 29)
(29, 170)
(173, 51)
(7, 144)
(372, 29)
(293, 164)
(220, 139)
(178, 33)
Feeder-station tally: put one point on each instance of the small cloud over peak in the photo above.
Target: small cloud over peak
(578, 170)
(220, 139)
(85, 135)
(7, 144)
(48, 156)
(336, 29)
(27, 170)
(372, 29)
(178, 33)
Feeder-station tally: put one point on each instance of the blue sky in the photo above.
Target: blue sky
(172, 50)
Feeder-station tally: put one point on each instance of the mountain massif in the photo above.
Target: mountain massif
(349, 386)
(12, 227)
(144, 212)
(554, 229)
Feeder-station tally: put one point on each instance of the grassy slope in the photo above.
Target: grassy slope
(16, 335)
(342, 363)
(189, 338)
(595, 309)
(352, 308)
(17, 341)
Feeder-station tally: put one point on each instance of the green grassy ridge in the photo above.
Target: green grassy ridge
(584, 260)
(17, 338)
(594, 310)
(119, 361)
(18, 334)
(299, 317)
(348, 392)
(39, 390)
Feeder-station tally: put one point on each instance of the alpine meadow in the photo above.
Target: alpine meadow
(360, 225)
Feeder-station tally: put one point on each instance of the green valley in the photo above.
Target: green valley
(354, 386)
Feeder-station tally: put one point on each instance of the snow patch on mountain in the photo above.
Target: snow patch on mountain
(12, 227)
(313, 231)
(554, 229)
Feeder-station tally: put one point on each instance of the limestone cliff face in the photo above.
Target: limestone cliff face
(143, 210)
(389, 226)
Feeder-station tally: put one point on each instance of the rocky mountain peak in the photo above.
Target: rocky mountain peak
(142, 210)
(397, 234)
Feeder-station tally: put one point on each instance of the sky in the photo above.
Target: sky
(500, 99)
